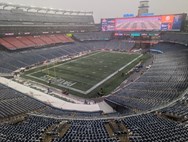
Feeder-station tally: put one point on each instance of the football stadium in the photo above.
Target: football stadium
(66, 78)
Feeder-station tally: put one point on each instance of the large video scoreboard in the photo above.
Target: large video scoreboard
(149, 23)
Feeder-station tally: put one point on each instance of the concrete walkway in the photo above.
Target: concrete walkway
(51, 100)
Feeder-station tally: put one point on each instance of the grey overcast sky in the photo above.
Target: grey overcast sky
(109, 8)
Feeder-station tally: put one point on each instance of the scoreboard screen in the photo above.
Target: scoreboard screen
(108, 24)
(171, 22)
(148, 23)
(138, 24)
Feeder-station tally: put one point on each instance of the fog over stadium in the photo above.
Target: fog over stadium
(109, 8)
(93, 71)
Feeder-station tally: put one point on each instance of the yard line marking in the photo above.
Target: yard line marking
(98, 84)
(65, 62)
(110, 76)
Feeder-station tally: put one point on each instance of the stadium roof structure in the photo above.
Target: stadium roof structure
(43, 9)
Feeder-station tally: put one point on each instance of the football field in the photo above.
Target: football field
(84, 74)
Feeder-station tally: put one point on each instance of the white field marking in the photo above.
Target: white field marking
(73, 89)
(69, 83)
(65, 63)
(98, 84)
(113, 74)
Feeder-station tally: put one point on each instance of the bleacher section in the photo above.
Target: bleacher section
(93, 36)
(142, 128)
(151, 128)
(14, 103)
(181, 38)
(20, 20)
(30, 130)
(84, 131)
(153, 108)
(14, 43)
(24, 17)
(178, 110)
(10, 62)
(162, 83)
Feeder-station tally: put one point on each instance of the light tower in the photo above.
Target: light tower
(143, 7)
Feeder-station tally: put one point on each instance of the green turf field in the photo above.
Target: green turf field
(84, 74)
